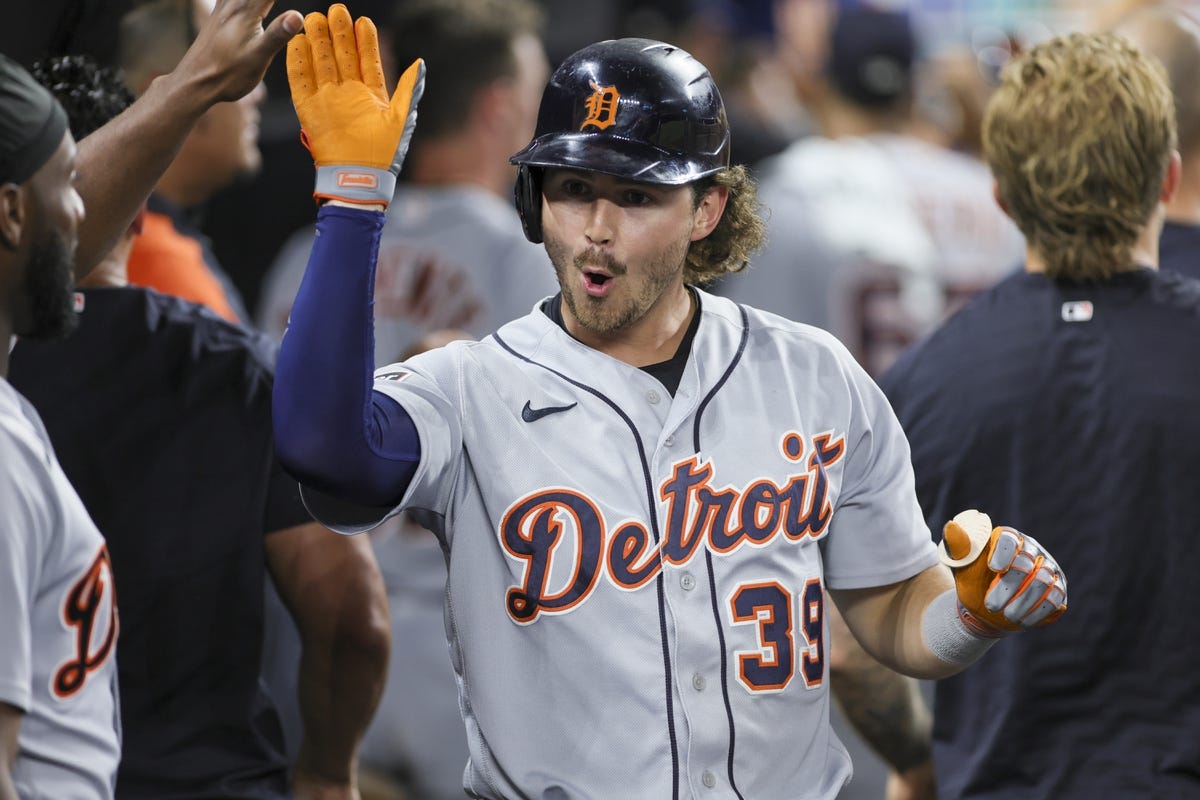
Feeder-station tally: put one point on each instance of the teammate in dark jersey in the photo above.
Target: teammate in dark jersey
(1064, 401)
(161, 415)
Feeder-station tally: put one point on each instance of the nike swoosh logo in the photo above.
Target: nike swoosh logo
(531, 414)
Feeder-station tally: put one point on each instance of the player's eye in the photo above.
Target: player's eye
(574, 188)
(636, 197)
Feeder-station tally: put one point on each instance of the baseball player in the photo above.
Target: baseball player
(643, 490)
(58, 615)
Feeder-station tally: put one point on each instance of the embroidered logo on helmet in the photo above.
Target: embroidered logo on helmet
(601, 106)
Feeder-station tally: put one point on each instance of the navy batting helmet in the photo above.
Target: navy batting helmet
(633, 108)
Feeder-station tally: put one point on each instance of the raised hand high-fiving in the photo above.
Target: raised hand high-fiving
(357, 134)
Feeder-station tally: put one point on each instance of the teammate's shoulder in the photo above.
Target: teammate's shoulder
(21, 429)
(204, 333)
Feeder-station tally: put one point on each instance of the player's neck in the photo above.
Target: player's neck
(651, 340)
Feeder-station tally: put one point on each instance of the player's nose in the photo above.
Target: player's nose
(601, 221)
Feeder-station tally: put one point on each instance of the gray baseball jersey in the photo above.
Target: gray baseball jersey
(58, 620)
(636, 604)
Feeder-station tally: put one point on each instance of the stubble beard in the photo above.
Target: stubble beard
(607, 316)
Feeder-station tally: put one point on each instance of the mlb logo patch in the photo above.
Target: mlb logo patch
(1077, 311)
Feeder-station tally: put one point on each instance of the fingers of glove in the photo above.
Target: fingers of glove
(1008, 545)
(1008, 583)
(1049, 600)
(1031, 588)
(409, 90)
(404, 102)
(301, 79)
(370, 63)
(1030, 594)
(1052, 606)
(316, 29)
(345, 49)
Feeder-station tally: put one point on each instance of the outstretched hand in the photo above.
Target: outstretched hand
(232, 50)
(358, 136)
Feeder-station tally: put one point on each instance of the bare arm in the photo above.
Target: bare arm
(888, 622)
(120, 163)
(10, 726)
(335, 592)
(886, 709)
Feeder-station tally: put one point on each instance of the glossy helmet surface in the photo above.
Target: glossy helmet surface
(634, 108)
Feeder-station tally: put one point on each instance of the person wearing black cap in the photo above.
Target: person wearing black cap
(870, 227)
(59, 729)
(59, 735)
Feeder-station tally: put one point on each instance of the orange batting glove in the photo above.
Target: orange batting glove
(1005, 580)
(357, 136)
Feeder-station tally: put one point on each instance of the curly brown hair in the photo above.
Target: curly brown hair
(1079, 136)
(739, 233)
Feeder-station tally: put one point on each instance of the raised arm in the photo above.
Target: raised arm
(120, 163)
(992, 582)
(332, 431)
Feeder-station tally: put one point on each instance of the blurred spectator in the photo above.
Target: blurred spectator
(172, 255)
(161, 414)
(452, 253)
(1174, 38)
(873, 234)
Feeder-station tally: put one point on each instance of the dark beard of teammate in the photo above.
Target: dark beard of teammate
(48, 286)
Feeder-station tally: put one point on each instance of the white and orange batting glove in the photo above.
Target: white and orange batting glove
(1004, 582)
(357, 136)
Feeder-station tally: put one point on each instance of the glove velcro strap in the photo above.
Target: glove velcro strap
(355, 184)
(953, 634)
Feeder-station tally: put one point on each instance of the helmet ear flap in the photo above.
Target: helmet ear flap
(528, 196)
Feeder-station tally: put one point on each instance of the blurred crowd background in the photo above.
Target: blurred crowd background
(794, 81)
(766, 55)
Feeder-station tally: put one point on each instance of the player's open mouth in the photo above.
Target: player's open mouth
(597, 284)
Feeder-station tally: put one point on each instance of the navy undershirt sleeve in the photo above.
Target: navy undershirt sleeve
(333, 432)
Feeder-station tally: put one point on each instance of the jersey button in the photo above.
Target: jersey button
(687, 582)
(669, 441)
(698, 683)
(652, 397)
(708, 779)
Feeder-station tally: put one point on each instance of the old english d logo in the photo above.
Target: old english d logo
(90, 611)
(601, 106)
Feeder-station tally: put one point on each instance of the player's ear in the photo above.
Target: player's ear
(709, 209)
(996, 195)
(13, 215)
(1172, 178)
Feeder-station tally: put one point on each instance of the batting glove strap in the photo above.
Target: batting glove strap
(355, 184)
(953, 634)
